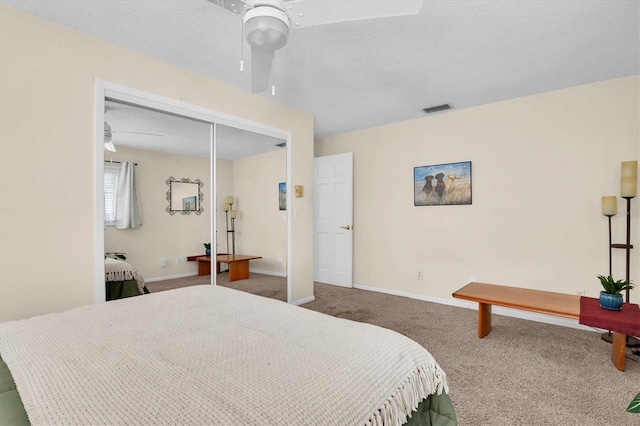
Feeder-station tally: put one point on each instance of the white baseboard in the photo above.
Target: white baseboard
(499, 310)
(304, 300)
(170, 277)
(266, 272)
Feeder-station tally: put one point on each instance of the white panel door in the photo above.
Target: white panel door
(333, 220)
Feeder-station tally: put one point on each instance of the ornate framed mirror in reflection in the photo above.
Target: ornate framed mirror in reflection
(184, 196)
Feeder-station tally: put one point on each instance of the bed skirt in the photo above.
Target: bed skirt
(122, 289)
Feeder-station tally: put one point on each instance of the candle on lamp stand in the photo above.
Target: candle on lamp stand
(226, 207)
(629, 169)
(610, 205)
(628, 187)
(230, 199)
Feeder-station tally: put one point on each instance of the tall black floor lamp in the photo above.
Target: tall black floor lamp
(609, 209)
(628, 191)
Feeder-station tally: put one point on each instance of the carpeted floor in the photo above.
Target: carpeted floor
(523, 373)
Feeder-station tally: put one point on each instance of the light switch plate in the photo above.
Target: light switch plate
(298, 190)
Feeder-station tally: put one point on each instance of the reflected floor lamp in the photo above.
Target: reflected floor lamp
(231, 230)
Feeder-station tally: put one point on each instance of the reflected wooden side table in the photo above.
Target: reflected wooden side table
(238, 265)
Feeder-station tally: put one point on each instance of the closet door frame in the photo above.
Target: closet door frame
(106, 90)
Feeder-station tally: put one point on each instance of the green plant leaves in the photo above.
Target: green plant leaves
(612, 286)
(634, 407)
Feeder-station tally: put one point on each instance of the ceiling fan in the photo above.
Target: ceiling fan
(108, 136)
(266, 23)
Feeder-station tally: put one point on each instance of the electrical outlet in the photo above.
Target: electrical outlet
(580, 291)
(164, 263)
(420, 276)
(178, 260)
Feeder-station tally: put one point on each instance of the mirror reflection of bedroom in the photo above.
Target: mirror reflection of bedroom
(158, 190)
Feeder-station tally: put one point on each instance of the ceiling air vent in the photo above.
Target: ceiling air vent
(281, 145)
(437, 108)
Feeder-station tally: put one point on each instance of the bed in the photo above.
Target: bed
(122, 280)
(213, 355)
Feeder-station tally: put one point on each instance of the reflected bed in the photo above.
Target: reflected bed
(122, 280)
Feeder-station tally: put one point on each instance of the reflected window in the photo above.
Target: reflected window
(111, 172)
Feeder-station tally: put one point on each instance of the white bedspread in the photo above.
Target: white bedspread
(215, 356)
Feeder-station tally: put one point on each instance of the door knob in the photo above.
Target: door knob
(346, 227)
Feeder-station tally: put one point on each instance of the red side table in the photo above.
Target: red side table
(623, 323)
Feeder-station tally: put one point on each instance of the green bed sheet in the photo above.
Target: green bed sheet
(436, 410)
(11, 408)
(121, 289)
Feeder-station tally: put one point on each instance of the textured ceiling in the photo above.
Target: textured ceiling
(360, 74)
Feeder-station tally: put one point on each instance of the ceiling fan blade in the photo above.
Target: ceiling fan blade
(261, 63)
(236, 6)
(109, 146)
(108, 138)
(308, 13)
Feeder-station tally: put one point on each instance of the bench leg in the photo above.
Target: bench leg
(238, 270)
(204, 267)
(618, 350)
(484, 319)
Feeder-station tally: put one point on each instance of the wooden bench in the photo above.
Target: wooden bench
(545, 302)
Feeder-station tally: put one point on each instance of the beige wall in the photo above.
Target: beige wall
(162, 236)
(261, 228)
(47, 161)
(540, 165)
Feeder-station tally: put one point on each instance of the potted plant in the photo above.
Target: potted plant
(611, 297)
(207, 249)
(634, 406)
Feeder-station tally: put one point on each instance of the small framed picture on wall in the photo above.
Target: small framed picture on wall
(282, 195)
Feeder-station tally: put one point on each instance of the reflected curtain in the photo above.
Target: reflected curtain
(127, 205)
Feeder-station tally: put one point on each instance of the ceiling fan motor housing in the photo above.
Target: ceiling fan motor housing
(266, 27)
